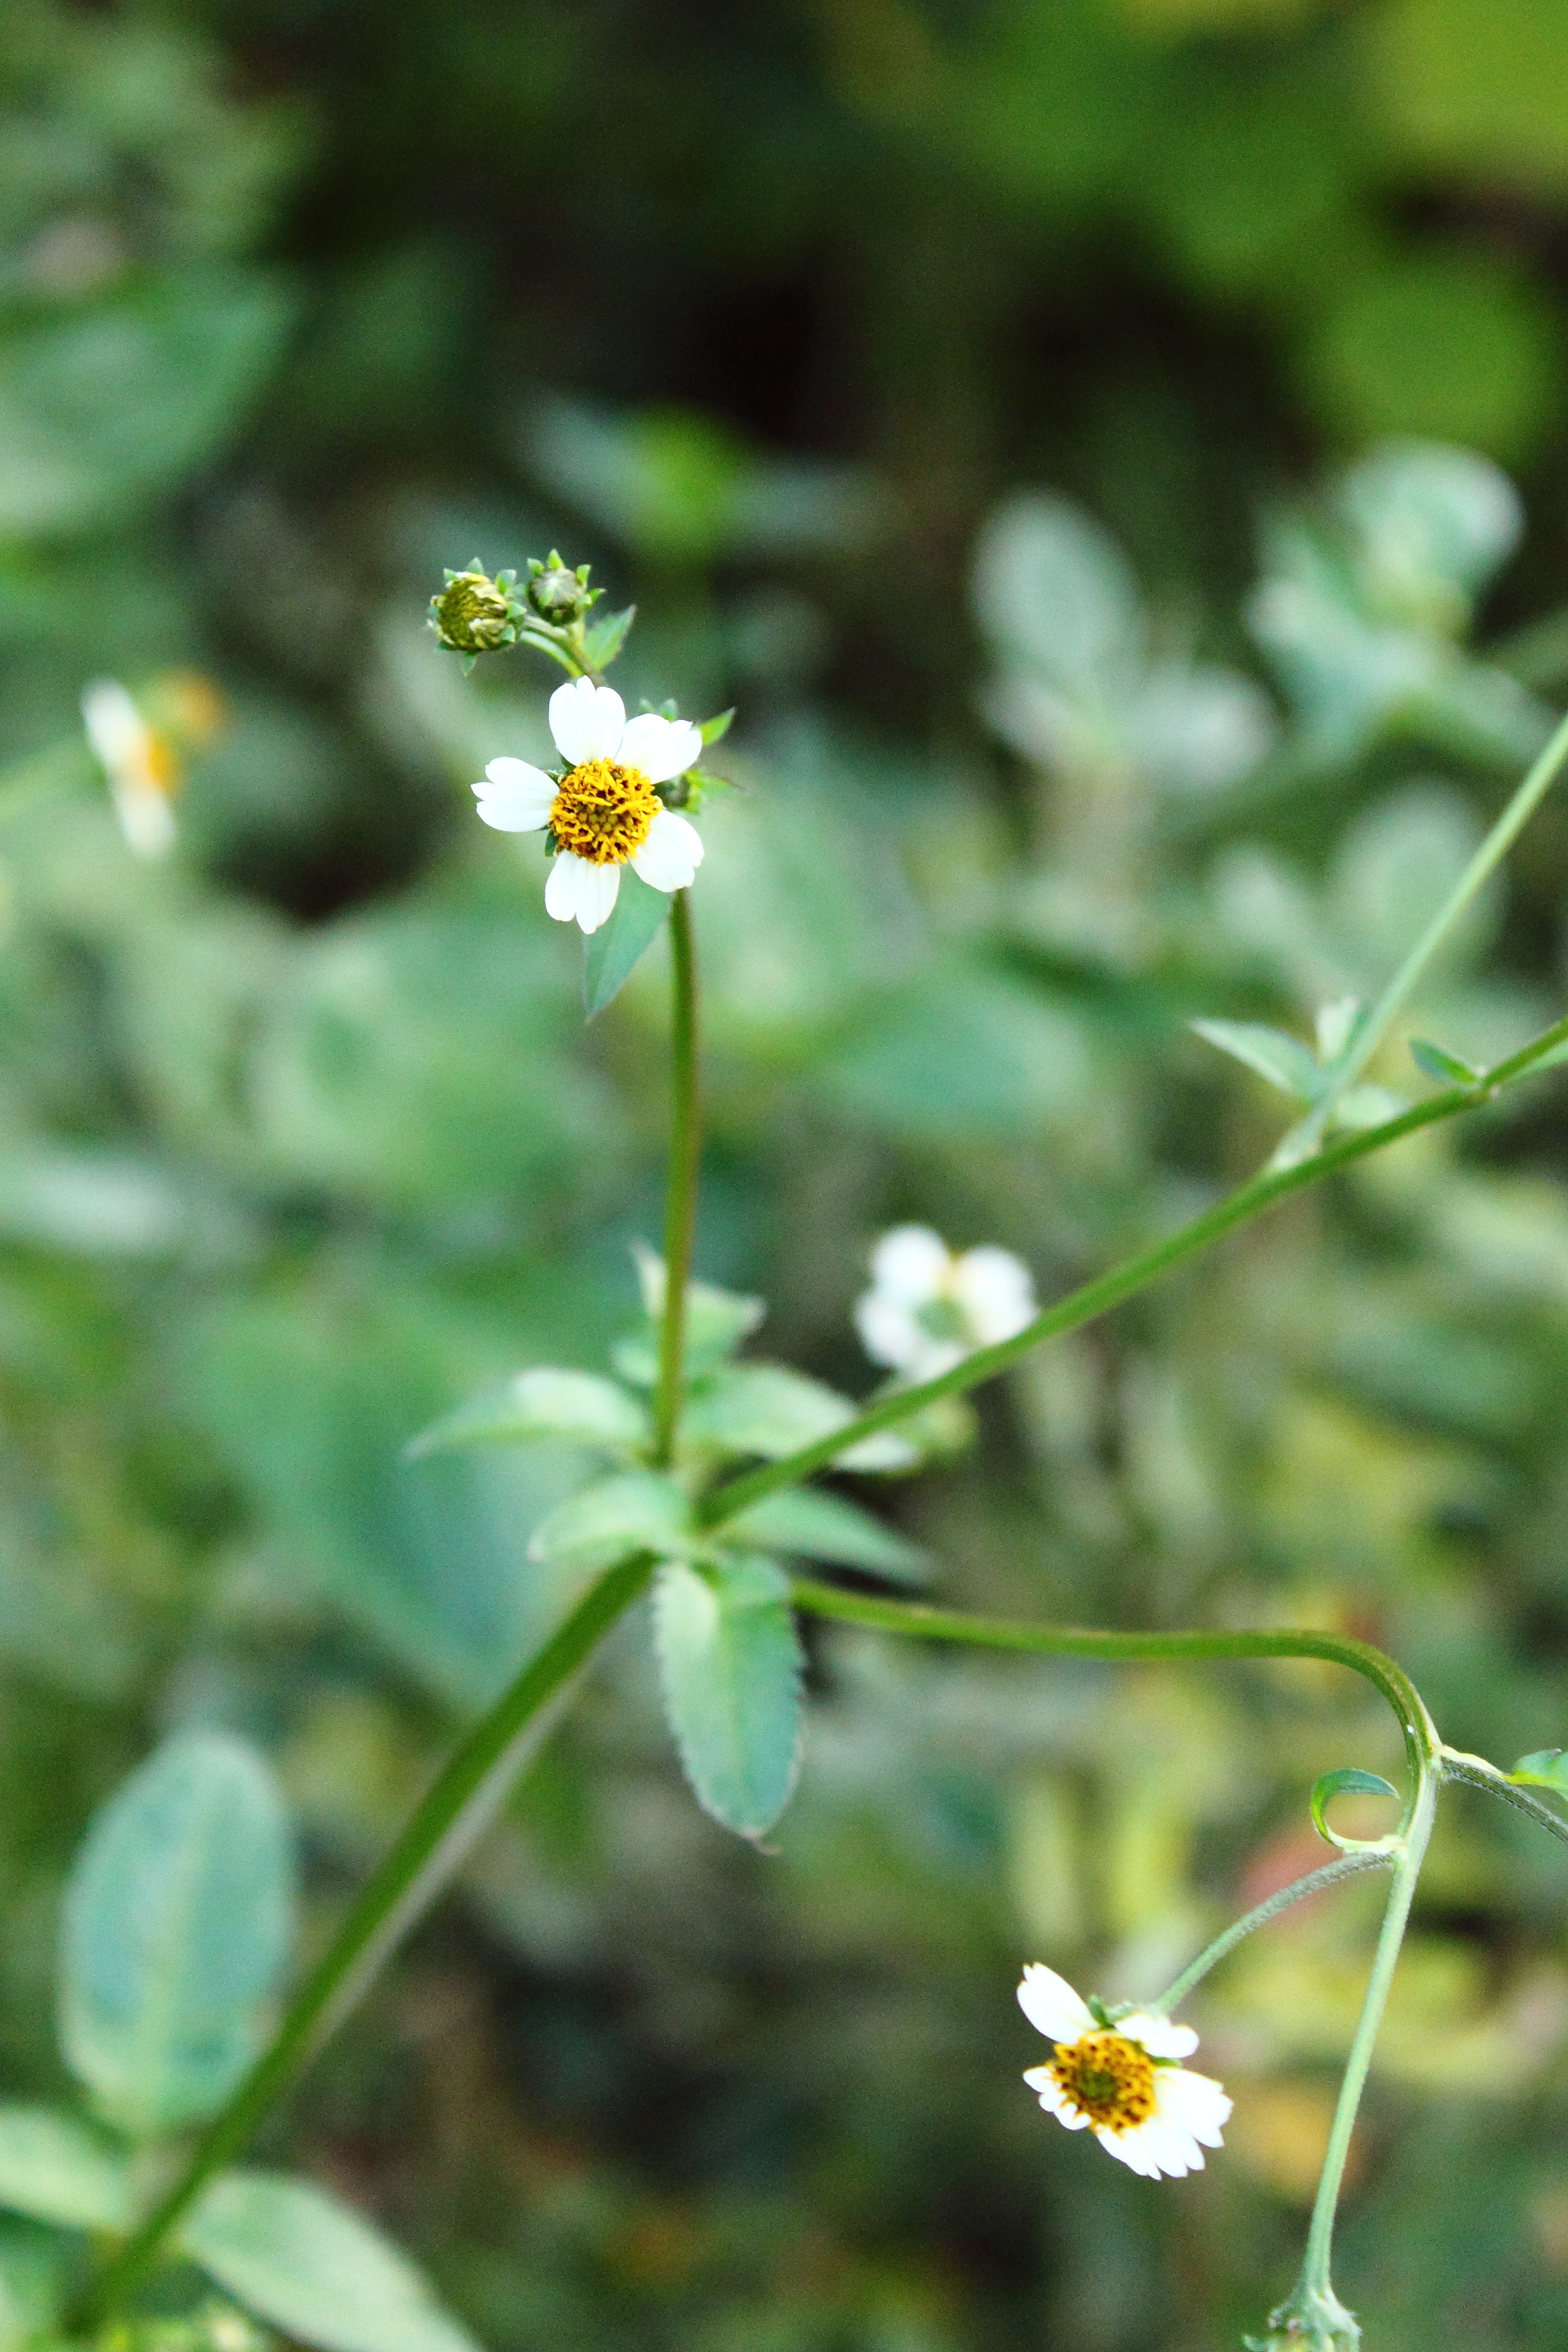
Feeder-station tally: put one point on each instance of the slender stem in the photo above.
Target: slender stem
(1520, 808)
(681, 1201)
(1315, 2268)
(1348, 1865)
(460, 1803)
(1456, 1765)
(928, 1625)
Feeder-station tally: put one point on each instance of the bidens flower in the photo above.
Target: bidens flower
(926, 1309)
(604, 813)
(1123, 2081)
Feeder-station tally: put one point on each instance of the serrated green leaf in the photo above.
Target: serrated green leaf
(1546, 1769)
(1446, 1067)
(56, 2169)
(714, 729)
(639, 1511)
(178, 1920)
(1283, 1060)
(611, 953)
(602, 639)
(1346, 1782)
(769, 1410)
(295, 2256)
(729, 1664)
(541, 1404)
(815, 1525)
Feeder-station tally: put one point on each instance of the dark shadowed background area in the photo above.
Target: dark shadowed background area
(963, 388)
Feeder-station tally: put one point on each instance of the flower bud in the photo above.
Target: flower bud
(474, 614)
(557, 594)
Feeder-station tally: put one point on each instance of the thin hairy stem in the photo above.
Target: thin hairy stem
(460, 1801)
(680, 1201)
(1456, 1765)
(1523, 806)
(1348, 1865)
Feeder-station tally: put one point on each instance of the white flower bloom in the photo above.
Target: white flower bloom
(926, 1309)
(603, 811)
(139, 762)
(1123, 2082)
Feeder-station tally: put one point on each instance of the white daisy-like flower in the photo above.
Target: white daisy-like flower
(927, 1310)
(602, 812)
(139, 762)
(1124, 2081)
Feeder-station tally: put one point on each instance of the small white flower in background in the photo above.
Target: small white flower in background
(602, 812)
(927, 1310)
(1123, 2080)
(139, 762)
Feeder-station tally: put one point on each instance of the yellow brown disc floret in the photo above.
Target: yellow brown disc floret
(602, 812)
(1109, 2079)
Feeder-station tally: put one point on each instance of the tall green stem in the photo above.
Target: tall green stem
(1523, 806)
(1317, 1881)
(460, 1803)
(680, 1201)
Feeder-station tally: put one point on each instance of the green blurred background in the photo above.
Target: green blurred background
(773, 313)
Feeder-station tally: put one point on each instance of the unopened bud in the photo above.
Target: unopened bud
(476, 614)
(557, 594)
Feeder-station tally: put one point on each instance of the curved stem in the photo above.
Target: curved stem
(1348, 1865)
(1456, 1765)
(460, 1801)
(1520, 808)
(681, 1201)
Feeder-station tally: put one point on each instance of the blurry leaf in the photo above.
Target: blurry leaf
(1283, 1060)
(572, 1407)
(1546, 1769)
(729, 1663)
(767, 1410)
(610, 953)
(1053, 590)
(56, 2169)
(297, 2258)
(639, 1511)
(1432, 520)
(1346, 1782)
(109, 406)
(36, 2270)
(1476, 89)
(813, 1524)
(716, 1321)
(1446, 1068)
(713, 730)
(1337, 1025)
(604, 637)
(178, 1918)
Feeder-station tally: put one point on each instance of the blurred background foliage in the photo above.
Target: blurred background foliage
(966, 388)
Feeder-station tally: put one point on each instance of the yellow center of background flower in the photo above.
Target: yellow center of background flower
(1109, 2079)
(603, 813)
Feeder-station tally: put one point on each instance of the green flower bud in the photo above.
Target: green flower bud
(476, 614)
(558, 595)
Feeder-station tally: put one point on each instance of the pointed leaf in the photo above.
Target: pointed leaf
(729, 1663)
(1546, 1769)
(574, 1407)
(769, 1410)
(602, 639)
(178, 1920)
(1347, 1783)
(608, 1521)
(610, 953)
(815, 1525)
(713, 730)
(1446, 1067)
(295, 2256)
(56, 2169)
(1283, 1060)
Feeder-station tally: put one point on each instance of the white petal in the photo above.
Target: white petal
(888, 1332)
(115, 728)
(1054, 2099)
(1195, 2103)
(1152, 2150)
(1052, 2006)
(662, 748)
(912, 1265)
(514, 797)
(586, 720)
(576, 888)
(672, 852)
(1157, 2034)
(997, 1291)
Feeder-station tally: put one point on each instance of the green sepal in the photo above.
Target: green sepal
(1348, 1781)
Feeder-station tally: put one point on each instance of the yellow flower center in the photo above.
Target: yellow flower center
(603, 813)
(1109, 2079)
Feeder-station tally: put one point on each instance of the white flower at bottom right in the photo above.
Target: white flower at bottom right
(1124, 2081)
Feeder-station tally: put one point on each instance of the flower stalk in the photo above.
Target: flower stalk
(681, 1204)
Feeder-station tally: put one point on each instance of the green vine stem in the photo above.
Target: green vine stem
(1122, 1282)
(680, 1204)
(460, 1803)
(1522, 807)
(1317, 1881)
